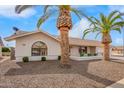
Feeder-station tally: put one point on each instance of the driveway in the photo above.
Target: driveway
(48, 74)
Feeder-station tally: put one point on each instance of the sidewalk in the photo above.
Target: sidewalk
(119, 84)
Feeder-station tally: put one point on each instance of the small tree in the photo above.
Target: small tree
(5, 49)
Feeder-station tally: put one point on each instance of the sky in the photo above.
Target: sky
(27, 20)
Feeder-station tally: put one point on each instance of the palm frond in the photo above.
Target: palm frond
(103, 18)
(81, 13)
(96, 20)
(96, 29)
(121, 24)
(85, 32)
(97, 34)
(43, 19)
(117, 29)
(17, 7)
(89, 29)
(116, 18)
(46, 7)
(76, 12)
(20, 8)
(112, 14)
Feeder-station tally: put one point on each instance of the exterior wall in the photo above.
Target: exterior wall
(88, 49)
(92, 50)
(74, 51)
(99, 50)
(24, 44)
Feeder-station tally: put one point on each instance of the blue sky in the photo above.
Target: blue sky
(27, 20)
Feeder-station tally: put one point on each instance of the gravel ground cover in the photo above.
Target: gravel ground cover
(83, 74)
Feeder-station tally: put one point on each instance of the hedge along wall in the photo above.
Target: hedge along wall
(5, 51)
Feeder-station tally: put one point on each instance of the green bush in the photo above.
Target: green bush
(85, 54)
(5, 49)
(43, 58)
(95, 54)
(81, 54)
(59, 57)
(25, 59)
(89, 54)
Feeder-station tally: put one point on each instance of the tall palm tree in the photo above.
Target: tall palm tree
(122, 14)
(64, 24)
(103, 26)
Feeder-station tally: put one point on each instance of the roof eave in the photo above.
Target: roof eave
(9, 39)
(13, 38)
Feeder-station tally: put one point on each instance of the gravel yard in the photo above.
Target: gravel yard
(48, 74)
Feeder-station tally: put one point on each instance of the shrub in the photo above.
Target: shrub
(5, 49)
(81, 54)
(59, 57)
(85, 54)
(95, 54)
(43, 58)
(25, 59)
(89, 54)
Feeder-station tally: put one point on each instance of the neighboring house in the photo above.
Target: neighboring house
(117, 50)
(39, 43)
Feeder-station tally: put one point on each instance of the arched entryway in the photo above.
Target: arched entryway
(39, 49)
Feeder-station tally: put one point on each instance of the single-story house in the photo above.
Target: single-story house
(39, 43)
(117, 50)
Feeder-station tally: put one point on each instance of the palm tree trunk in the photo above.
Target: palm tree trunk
(64, 24)
(106, 52)
(106, 40)
(64, 47)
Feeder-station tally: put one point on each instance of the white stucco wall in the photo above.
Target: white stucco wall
(24, 44)
(74, 51)
(99, 50)
(88, 49)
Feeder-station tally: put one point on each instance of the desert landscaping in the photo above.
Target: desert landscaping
(86, 74)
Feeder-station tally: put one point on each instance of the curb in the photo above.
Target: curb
(118, 84)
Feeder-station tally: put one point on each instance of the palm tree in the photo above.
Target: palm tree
(103, 26)
(122, 14)
(64, 24)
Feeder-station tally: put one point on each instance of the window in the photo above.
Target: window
(83, 49)
(39, 49)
